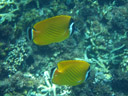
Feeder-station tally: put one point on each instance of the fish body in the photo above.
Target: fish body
(51, 30)
(71, 72)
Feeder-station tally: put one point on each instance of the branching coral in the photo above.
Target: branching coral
(9, 14)
(48, 88)
(3, 3)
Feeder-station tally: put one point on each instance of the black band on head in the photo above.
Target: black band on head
(87, 73)
(52, 71)
(29, 33)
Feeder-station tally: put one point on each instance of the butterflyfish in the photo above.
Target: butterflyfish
(51, 30)
(71, 72)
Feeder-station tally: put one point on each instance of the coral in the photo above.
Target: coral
(18, 82)
(48, 89)
(10, 14)
(3, 3)
(3, 50)
(120, 80)
(18, 52)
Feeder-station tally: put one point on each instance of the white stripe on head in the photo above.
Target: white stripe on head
(87, 74)
(32, 33)
(53, 72)
(71, 28)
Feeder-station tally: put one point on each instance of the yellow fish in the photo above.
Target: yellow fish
(71, 72)
(51, 30)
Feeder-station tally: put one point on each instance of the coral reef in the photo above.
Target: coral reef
(100, 38)
(16, 55)
(9, 14)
